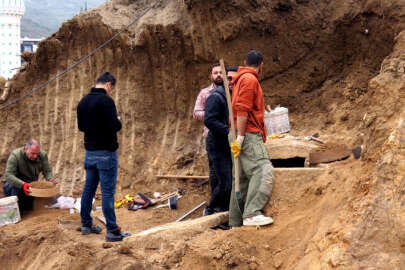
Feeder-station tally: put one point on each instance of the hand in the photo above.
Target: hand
(26, 188)
(240, 140)
(53, 180)
(236, 146)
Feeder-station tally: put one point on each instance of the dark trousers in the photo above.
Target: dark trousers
(220, 161)
(25, 203)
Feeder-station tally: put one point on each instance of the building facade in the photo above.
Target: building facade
(11, 12)
(29, 44)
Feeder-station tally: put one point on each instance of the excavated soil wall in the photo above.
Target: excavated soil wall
(317, 63)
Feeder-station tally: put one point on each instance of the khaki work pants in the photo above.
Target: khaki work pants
(256, 180)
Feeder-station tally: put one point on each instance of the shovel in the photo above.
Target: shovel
(233, 132)
(171, 203)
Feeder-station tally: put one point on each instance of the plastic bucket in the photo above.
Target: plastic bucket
(9, 212)
(276, 121)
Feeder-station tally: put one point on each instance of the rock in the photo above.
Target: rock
(107, 245)
(72, 253)
(277, 261)
(253, 266)
(218, 255)
(125, 250)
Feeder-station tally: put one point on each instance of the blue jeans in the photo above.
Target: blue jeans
(101, 166)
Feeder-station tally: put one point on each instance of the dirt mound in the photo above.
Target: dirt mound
(337, 65)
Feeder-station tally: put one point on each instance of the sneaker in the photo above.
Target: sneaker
(93, 229)
(259, 220)
(116, 235)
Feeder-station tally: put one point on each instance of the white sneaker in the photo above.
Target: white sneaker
(259, 220)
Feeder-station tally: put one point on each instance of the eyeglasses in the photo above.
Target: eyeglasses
(229, 78)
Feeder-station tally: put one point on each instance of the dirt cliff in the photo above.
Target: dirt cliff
(337, 65)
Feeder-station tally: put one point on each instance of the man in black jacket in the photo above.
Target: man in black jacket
(97, 118)
(216, 119)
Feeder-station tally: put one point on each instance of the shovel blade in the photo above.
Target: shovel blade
(238, 197)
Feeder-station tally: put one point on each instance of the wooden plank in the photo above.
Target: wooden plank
(176, 228)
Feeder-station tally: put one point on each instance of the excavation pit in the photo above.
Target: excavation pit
(290, 152)
(295, 162)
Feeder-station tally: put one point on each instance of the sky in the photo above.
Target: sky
(44, 17)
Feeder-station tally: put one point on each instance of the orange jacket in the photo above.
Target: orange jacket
(248, 100)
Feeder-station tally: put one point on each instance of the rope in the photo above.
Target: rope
(42, 85)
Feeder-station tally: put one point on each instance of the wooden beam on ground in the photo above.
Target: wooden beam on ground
(182, 177)
(194, 225)
(276, 170)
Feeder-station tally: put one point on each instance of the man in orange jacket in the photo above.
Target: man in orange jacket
(256, 170)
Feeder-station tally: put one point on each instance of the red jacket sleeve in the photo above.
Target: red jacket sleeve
(245, 99)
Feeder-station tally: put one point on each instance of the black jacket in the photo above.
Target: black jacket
(97, 118)
(216, 115)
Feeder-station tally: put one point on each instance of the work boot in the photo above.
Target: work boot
(258, 220)
(208, 211)
(224, 226)
(219, 210)
(116, 235)
(93, 229)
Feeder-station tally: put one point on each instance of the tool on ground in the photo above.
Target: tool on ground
(179, 193)
(277, 136)
(191, 211)
(233, 133)
(357, 152)
(171, 203)
(145, 202)
(148, 202)
(102, 219)
(312, 138)
(142, 203)
(138, 204)
(125, 201)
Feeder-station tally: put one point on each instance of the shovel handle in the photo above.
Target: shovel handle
(233, 129)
